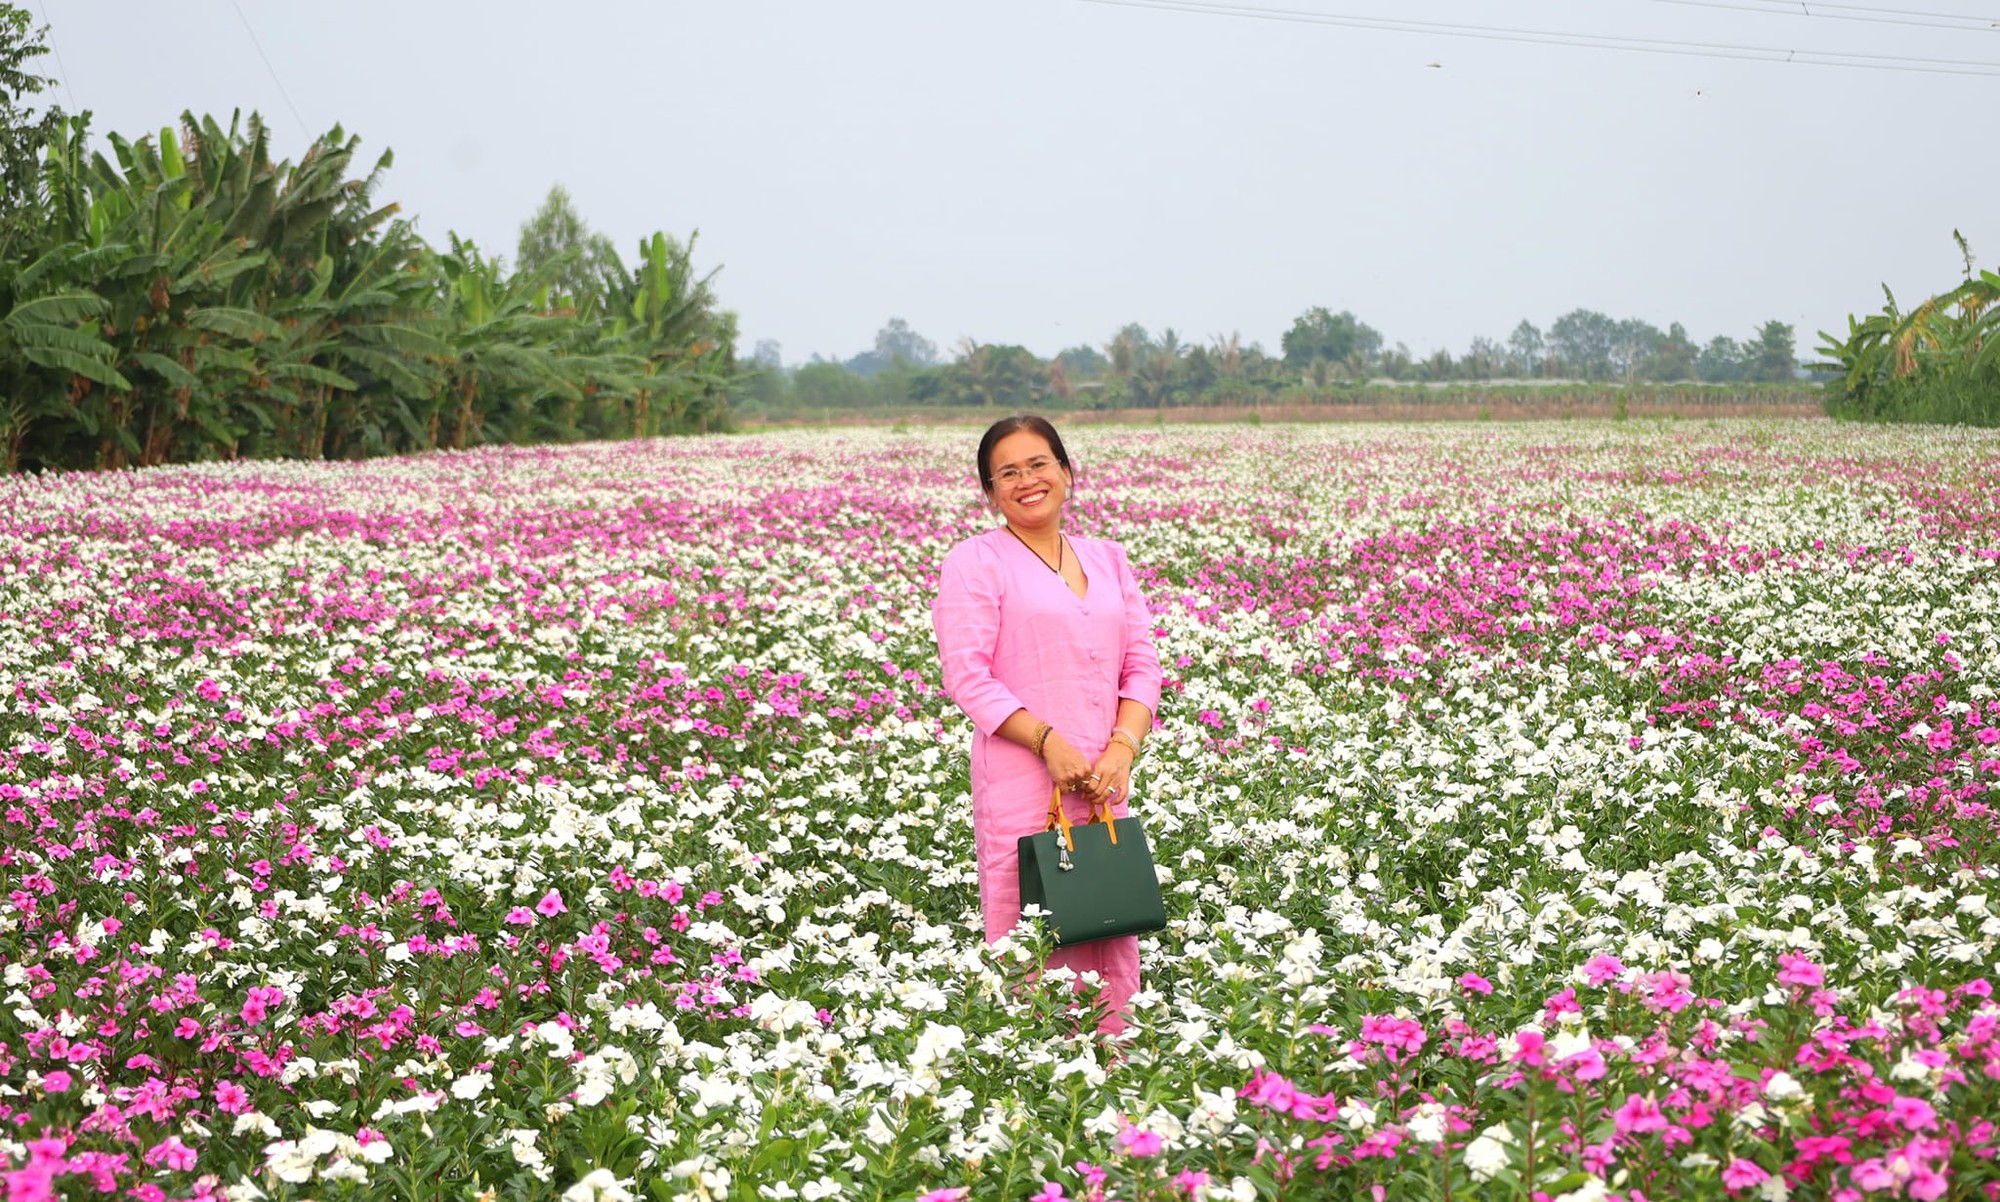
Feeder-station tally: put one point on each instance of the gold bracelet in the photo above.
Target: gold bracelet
(1041, 737)
(1120, 735)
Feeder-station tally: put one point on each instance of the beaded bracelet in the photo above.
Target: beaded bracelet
(1041, 737)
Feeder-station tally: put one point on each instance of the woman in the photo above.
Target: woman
(1045, 644)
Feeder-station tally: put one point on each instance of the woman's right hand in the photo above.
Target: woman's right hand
(1067, 767)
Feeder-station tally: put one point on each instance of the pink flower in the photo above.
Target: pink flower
(520, 916)
(953, 1194)
(1140, 1145)
(1927, 1184)
(551, 905)
(231, 1098)
(1188, 1181)
(1528, 1047)
(1913, 1114)
(1587, 1065)
(1600, 969)
(1271, 1091)
(1393, 1033)
(171, 1153)
(1742, 1174)
(1051, 1192)
(1472, 982)
(1637, 1116)
(1796, 969)
(56, 1082)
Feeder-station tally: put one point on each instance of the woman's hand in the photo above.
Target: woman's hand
(1113, 771)
(1067, 767)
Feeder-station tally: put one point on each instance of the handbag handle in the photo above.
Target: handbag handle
(1058, 820)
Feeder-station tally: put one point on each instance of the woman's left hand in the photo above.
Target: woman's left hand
(1114, 777)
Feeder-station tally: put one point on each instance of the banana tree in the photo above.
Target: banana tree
(499, 359)
(669, 324)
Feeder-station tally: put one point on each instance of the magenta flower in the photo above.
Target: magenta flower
(1637, 1116)
(1600, 969)
(953, 1194)
(1472, 982)
(1742, 1174)
(1797, 970)
(551, 904)
(1913, 1114)
(56, 1082)
(1139, 1144)
(1528, 1047)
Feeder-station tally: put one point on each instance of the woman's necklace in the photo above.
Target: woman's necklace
(1055, 567)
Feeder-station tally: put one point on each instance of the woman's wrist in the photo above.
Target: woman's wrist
(1124, 738)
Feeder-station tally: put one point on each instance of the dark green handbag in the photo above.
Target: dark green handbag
(1095, 880)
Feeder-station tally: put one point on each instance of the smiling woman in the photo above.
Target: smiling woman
(1045, 643)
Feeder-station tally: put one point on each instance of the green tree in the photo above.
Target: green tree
(1319, 335)
(584, 270)
(1721, 361)
(1772, 359)
(1526, 350)
(996, 375)
(1483, 360)
(1633, 341)
(1127, 349)
(1083, 362)
(1673, 358)
(23, 132)
(1581, 341)
(895, 342)
(825, 385)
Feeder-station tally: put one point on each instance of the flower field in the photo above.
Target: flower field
(1553, 811)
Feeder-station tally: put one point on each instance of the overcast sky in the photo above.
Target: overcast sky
(1043, 171)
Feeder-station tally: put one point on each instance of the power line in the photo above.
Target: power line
(1718, 50)
(42, 12)
(273, 70)
(1851, 12)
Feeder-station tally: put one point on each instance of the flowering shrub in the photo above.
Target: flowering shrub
(1561, 811)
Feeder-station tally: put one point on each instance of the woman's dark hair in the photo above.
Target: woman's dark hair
(1031, 422)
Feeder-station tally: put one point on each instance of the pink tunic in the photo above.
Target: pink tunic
(1012, 635)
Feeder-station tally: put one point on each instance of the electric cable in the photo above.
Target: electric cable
(254, 41)
(56, 47)
(1859, 13)
(1915, 64)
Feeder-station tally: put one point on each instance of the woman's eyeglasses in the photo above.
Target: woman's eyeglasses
(1011, 474)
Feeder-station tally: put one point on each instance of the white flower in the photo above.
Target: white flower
(1427, 1124)
(471, 1085)
(1592, 1190)
(598, 1185)
(1486, 1155)
(1782, 1087)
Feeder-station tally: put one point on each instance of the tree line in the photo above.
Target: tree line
(1321, 356)
(192, 296)
(1939, 362)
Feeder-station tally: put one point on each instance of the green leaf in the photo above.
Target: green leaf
(168, 370)
(216, 271)
(771, 1155)
(246, 324)
(311, 374)
(62, 308)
